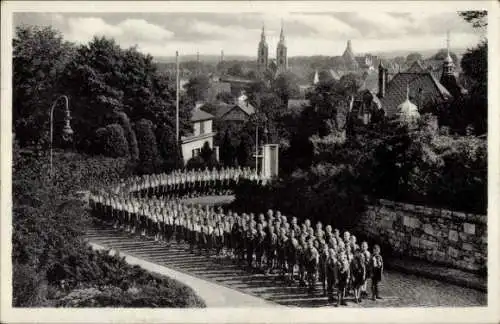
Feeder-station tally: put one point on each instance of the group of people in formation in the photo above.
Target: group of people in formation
(271, 243)
(182, 182)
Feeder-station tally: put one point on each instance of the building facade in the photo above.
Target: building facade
(192, 144)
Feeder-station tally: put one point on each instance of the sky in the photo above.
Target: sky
(307, 33)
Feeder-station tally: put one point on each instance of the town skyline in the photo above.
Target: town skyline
(307, 34)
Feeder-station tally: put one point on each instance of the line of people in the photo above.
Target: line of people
(271, 243)
(181, 182)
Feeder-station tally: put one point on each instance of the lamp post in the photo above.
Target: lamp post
(67, 132)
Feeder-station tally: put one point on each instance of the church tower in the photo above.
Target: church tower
(448, 78)
(263, 53)
(281, 53)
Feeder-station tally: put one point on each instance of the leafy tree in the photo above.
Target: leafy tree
(40, 56)
(124, 121)
(285, 86)
(115, 143)
(228, 151)
(412, 57)
(244, 151)
(197, 88)
(149, 158)
(441, 55)
(478, 19)
(236, 70)
(226, 97)
(168, 148)
(92, 78)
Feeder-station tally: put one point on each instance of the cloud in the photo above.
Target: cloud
(314, 33)
(128, 31)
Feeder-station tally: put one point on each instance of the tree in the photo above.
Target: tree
(168, 148)
(115, 143)
(226, 97)
(285, 86)
(227, 153)
(40, 56)
(236, 70)
(478, 19)
(244, 151)
(149, 158)
(124, 121)
(197, 88)
(412, 57)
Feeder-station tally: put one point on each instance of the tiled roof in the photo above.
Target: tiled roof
(416, 67)
(224, 108)
(396, 90)
(199, 115)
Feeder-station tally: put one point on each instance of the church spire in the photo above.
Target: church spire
(448, 61)
(282, 33)
(263, 34)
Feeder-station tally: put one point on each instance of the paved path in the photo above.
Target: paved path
(399, 290)
(214, 295)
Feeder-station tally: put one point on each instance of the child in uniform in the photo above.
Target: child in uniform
(377, 268)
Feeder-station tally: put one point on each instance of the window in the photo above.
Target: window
(202, 127)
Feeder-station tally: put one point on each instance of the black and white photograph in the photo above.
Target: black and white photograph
(257, 156)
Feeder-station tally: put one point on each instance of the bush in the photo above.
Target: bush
(149, 158)
(52, 264)
(115, 143)
(168, 148)
(124, 121)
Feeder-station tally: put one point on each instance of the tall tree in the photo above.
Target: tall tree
(197, 88)
(40, 55)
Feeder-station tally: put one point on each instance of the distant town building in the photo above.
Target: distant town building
(192, 144)
(281, 53)
(262, 53)
(280, 65)
(237, 112)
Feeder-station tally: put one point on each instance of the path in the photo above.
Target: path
(214, 295)
(399, 290)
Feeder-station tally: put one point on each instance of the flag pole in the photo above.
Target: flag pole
(177, 97)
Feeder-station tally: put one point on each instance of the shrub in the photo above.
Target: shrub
(52, 265)
(168, 148)
(149, 158)
(115, 143)
(124, 121)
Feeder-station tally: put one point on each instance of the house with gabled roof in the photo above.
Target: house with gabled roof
(192, 144)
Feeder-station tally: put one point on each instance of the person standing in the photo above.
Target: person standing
(377, 268)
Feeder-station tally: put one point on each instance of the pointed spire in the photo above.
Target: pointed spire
(448, 58)
(316, 78)
(263, 34)
(282, 34)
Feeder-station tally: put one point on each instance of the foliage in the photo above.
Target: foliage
(227, 149)
(52, 264)
(102, 81)
(115, 144)
(39, 57)
(149, 158)
(129, 133)
(285, 86)
(244, 151)
(197, 88)
(412, 57)
(169, 151)
(206, 158)
(478, 19)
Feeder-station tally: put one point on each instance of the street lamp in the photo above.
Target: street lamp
(67, 132)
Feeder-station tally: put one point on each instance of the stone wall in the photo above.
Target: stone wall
(453, 238)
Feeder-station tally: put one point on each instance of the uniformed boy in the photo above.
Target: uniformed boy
(377, 268)
(331, 273)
